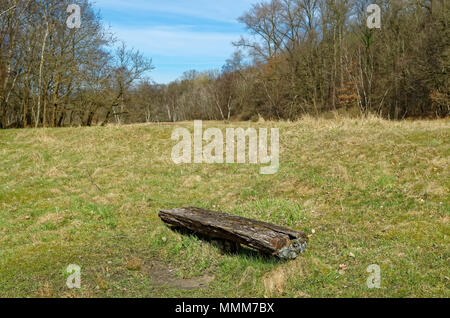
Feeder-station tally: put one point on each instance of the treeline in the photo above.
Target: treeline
(300, 57)
(52, 75)
(319, 57)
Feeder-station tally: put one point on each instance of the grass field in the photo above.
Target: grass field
(367, 191)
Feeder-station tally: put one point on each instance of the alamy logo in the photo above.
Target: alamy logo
(234, 145)
(74, 279)
(374, 279)
(74, 19)
(374, 18)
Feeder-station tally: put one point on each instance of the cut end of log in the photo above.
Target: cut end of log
(292, 251)
(265, 237)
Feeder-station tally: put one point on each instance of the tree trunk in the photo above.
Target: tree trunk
(89, 119)
(41, 66)
(106, 121)
(61, 119)
(264, 237)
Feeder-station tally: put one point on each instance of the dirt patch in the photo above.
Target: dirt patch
(162, 275)
(275, 281)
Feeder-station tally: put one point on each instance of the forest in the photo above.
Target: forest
(298, 57)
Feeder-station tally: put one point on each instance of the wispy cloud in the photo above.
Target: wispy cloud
(175, 40)
(178, 34)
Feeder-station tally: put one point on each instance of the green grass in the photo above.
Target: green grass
(372, 191)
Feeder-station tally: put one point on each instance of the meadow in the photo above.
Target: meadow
(366, 191)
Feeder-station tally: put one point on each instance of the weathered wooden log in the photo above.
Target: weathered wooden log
(265, 237)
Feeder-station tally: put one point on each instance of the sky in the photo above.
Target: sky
(179, 35)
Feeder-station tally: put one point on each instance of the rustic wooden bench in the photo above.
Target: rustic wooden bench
(264, 237)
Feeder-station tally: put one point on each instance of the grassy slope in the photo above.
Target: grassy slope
(375, 190)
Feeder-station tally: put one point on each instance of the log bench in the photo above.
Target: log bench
(264, 237)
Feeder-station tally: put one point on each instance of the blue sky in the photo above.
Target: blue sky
(179, 35)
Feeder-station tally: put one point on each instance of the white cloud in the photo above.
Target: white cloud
(178, 40)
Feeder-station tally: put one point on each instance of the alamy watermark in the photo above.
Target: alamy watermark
(374, 280)
(74, 279)
(233, 144)
(74, 19)
(374, 18)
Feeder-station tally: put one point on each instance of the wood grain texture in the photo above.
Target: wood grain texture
(265, 237)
